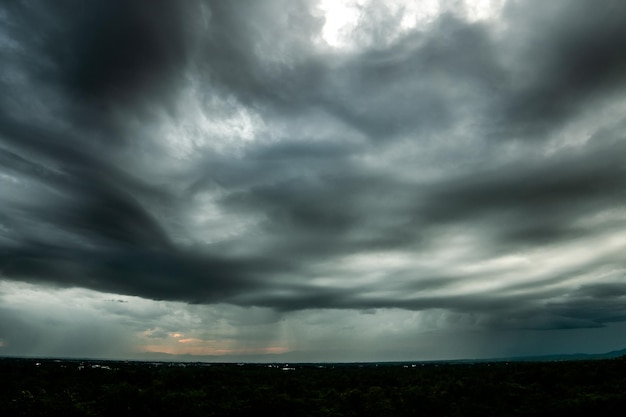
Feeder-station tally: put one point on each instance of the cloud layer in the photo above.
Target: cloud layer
(259, 154)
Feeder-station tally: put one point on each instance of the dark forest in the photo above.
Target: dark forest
(35, 387)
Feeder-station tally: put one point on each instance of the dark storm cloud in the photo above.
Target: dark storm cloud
(568, 60)
(101, 202)
(399, 147)
(596, 304)
(536, 201)
(151, 274)
(102, 52)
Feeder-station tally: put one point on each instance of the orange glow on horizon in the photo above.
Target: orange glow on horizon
(212, 349)
(191, 340)
(178, 343)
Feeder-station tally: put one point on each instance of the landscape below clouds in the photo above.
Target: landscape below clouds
(352, 180)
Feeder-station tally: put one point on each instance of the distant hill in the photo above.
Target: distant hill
(550, 358)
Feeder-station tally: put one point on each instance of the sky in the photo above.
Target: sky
(302, 180)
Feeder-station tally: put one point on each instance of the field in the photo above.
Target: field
(30, 387)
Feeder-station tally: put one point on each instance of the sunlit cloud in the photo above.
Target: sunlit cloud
(352, 24)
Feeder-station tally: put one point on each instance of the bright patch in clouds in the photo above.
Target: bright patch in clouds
(350, 24)
(207, 123)
(479, 10)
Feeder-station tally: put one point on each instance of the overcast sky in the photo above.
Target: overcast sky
(333, 180)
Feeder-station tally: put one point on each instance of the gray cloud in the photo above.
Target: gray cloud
(569, 60)
(218, 152)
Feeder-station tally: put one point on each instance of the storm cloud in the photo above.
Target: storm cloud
(463, 159)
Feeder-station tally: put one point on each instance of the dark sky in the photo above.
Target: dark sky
(312, 180)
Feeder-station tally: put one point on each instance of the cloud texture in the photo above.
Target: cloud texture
(463, 157)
